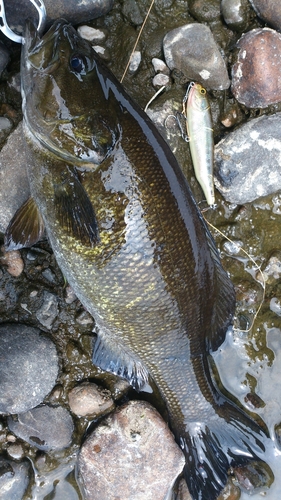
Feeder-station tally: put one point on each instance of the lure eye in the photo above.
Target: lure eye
(78, 64)
(202, 91)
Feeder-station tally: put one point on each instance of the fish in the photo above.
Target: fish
(130, 240)
(196, 109)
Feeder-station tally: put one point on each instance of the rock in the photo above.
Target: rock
(5, 123)
(28, 368)
(13, 177)
(247, 160)
(91, 34)
(159, 66)
(254, 477)
(160, 80)
(269, 11)
(12, 260)
(14, 479)
(256, 75)
(183, 493)
(193, 50)
(75, 12)
(205, 12)
(135, 449)
(135, 61)
(45, 427)
(88, 399)
(49, 310)
(236, 13)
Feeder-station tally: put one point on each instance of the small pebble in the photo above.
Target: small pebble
(159, 66)
(254, 477)
(70, 296)
(23, 353)
(49, 310)
(269, 11)
(91, 34)
(102, 52)
(15, 451)
(160, 80)
(256, 75)
(192, 50)
(13, 261)
(205, 12)
(136, 443)
(45, 427)
(88, 399)
(275, 306)
(135, 61)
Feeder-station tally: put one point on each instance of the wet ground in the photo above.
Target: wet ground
(249, 362)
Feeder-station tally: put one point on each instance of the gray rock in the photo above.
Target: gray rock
(192, 50)
(247, 160)
(135, 443)
(75, 12)
(28, 368)
(159, 66)
(91, 34)
(205, 12)
(88, 399)
(269, 11)
(135, 61)
(46, 427)
(48, 311)
(160, 80)
(14, 479)
(236, 13)
(13, 177)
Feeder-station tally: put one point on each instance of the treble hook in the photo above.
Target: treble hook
(4, 27)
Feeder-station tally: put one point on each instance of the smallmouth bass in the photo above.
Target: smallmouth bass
(130, 240)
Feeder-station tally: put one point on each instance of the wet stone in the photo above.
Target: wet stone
(46, 427)
(247, 160)
(12, 260)
(236, 13)
(269, 11)
(13, 177)
(256, 75)
(254, 477)
(91, 34)
(160, 80)
(48, 311)
(149, 455)
(28, 368)
(74, 12)
(192, 50)
(88, 399)
(159, 66)
(205, 11)
(135, 61)
(14, 478)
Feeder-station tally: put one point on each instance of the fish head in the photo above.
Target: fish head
(63, 100)
(197, 97)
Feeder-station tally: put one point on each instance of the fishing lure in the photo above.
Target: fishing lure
(196, 110)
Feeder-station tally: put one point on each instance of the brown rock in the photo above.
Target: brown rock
(132, 455)
(269, 11)
(12, 260)
(88, 399)
(256, 76)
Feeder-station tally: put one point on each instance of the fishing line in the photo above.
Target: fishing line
(254, 262)
(137, 40)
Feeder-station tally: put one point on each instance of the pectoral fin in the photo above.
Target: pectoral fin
(25, 228)
(112, 357)
(75, 212)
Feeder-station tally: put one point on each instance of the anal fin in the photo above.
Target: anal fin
(114, 358)
(26, 227)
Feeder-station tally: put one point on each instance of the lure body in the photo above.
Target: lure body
(196, 109)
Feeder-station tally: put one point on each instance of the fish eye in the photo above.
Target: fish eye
(202, 91)
(78, 64)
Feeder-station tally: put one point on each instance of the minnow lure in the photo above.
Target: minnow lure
(196, 110)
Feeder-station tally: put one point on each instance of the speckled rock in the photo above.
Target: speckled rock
(46, 427)
(14, 479)
(132, 443)
(256, 75)
(13, 177)
(193, 50)
(23, 353)
(269, 11)
(203, 11)
(236, 13)
(88, 399)
(17, 11)
(247, 160)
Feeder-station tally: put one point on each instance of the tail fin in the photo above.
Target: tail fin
(210, 450)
